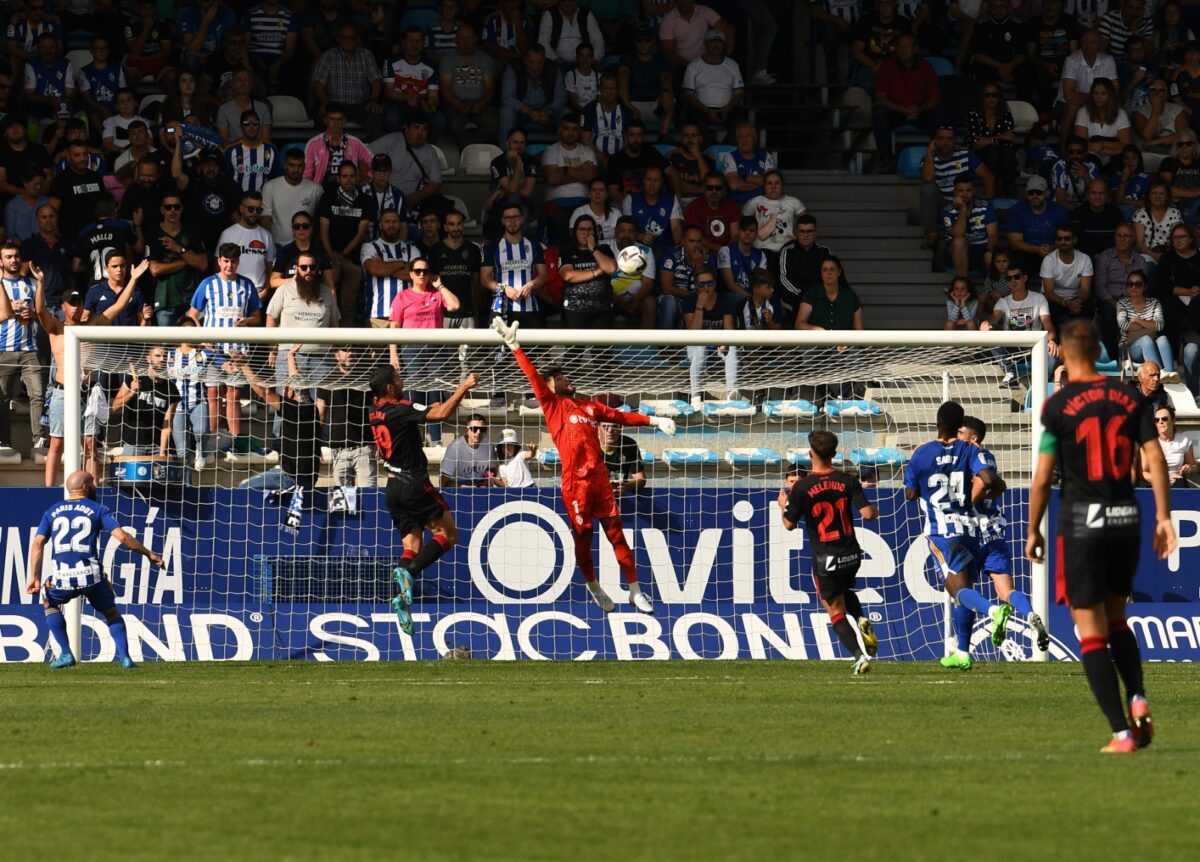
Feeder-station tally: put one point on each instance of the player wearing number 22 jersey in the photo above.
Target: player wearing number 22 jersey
(939, 475)
(1093, 428)
(824, 501)
(73, 529)
(412, 501)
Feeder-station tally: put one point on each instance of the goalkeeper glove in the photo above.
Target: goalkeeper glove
(663, 424)
(507, 331)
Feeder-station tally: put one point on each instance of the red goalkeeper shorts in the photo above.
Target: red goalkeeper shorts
(588, 499)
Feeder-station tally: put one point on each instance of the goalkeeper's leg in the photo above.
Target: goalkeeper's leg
(624, 555)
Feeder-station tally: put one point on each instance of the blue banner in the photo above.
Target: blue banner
(727, 581)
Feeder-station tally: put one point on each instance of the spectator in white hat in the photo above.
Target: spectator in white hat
(513, 471)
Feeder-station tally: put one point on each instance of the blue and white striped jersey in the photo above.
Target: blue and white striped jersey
(187, 369)
(513, 265)
(382, 290)
(992, 522)
(95, 163)
(223, 303)
(251, 166)
(73, 529)
(14, 335)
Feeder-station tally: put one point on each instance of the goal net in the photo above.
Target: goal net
(262, 490)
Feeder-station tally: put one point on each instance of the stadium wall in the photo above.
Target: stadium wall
(237, 585)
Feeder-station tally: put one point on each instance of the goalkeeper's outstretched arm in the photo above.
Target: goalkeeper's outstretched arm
(508, 331)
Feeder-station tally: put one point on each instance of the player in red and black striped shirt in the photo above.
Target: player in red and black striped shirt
(1093, 428)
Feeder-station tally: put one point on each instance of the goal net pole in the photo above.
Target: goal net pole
(72, 440)
(902, 360)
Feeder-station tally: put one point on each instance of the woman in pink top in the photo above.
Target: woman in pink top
(422, 305)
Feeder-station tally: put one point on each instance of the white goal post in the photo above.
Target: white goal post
(772, 362)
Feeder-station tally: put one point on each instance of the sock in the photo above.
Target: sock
(406, 558)
(621, 549)
(583, 553)
(853, 605)
(120, 637)
(1102, 678)
(963, 620)
(1127, 657)
(58, 631)
(969, 598)
(429, 553)
(1020, 604)
(845, 633)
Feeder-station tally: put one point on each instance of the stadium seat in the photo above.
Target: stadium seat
(872, 457)
(287, 148)
(942, 66)
(715, 411)
(748, 456)
(639, 357)
(148, 101)
(715, 151)
(288, 112)
(909, 163)
(794, 409)
(422, 18)
(671, 408)
(535, 149)
(79, 58)
(664, 149)
(1004, 204)
(800, 457)
(494, 409)
(647, 456)
(1153, 161)
(1025, 116)
(1183, 401)
(443, 164)
(548, 457)
(1029, 397)
(688, 457)
(434, 455)
(1106, 365)
(461, 206)
(476, 159)
(852, 409)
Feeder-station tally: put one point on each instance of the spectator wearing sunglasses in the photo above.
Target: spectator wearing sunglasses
(302, 240)
(470, 461)
(177, 261)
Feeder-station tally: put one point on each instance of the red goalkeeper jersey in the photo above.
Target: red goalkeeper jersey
(572, 423)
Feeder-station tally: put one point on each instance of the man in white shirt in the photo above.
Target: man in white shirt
(287, 195)
(569, 165)
(255, 241)
(712, 83)
(562, 29)
(1067, 278)
(1079, 70)
(1021, 311)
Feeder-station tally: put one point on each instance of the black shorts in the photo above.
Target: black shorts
(834, 574)
(1096, 554)
(413, 503)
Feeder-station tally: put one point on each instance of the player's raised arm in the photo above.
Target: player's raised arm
(48, 321)
(445, 409)
(137, 547)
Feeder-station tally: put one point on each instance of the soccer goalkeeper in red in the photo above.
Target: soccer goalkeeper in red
(586, 488)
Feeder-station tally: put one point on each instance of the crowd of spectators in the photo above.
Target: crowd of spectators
(1103, 224)
(146, 184)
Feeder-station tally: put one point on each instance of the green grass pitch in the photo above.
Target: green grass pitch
(475, 760)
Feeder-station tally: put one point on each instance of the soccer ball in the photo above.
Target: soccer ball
(631, 261)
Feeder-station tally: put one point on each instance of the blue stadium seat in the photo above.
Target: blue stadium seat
(548, 457)
(535, 149)
(794, 409)
(801, 458)
(672, 408)
(942, 66)
(287, 148)
(715, 151)
(688, 457)
(648, 457)
(639, 357)
(909, 163)
(664, 148)
(1029, 397)
(1004, 204)
(422, 18)
(871, 457)
(740, 409)
(1108, 366)
(852, 409)
(752, 457)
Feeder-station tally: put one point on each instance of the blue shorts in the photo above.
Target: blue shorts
(995, 558)
(100, 596)
(954, 553)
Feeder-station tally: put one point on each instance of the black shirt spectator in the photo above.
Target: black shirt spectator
(625, 170)
(99, 238)
(54, 260)
(997, 38)
(209, 206)
(345, 212)
(143, 417)
(75, 193)
(299, 441)
(878, 35)
(346, 412)
(459, 271)
(625, 460)
(1096, 227)
(15, 161)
